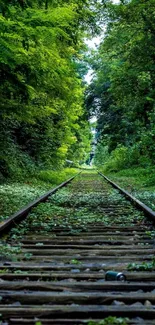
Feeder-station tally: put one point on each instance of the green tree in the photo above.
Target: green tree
(41, 91)
(122, 93)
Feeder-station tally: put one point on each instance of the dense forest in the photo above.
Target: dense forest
(45, 103)
(122, 93)
(43, 121)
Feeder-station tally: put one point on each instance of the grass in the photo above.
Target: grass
(56, 177)
(15, 195)
(140, 182)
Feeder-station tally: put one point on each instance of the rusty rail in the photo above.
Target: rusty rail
(6, 225)
(140, 205)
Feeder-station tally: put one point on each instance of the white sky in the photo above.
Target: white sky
(93, 119)
(94, 42)
(88, 77)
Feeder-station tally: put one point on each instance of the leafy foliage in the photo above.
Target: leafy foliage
(56, 177)
(111, 321)
(41, 91)
(16, 195)
(122, 92)
(144, 266)
(6, 251)
(138, 181)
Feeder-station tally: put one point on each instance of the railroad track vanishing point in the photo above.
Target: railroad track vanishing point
(53, 264)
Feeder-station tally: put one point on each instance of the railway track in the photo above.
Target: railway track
(53, 264)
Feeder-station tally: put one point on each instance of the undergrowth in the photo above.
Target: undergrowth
(139, 182)
(110, 321)
(144, 266)
(56, 176)
(72, 209)
(15, 195)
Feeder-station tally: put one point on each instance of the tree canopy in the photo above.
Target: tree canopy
(122, 93)
(42, 113)
(43, 119)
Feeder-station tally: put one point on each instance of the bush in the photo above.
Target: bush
(117, 160)
(121, 158)
(102, 155)
(56, 176)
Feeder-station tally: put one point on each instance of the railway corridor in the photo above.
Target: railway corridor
(53, 264)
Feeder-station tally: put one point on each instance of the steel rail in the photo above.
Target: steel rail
(7, 224)
(140, 205)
